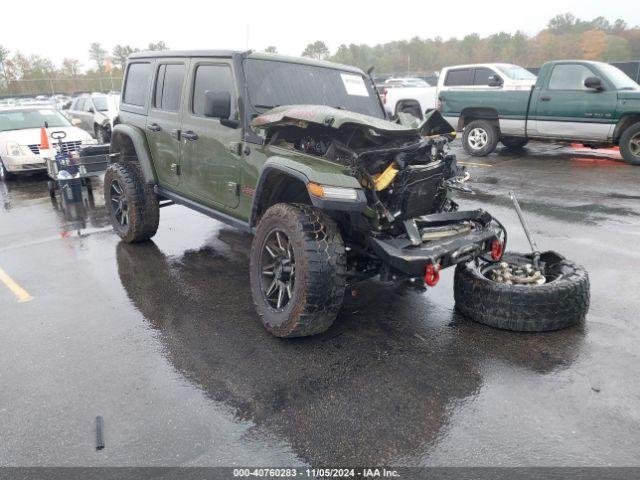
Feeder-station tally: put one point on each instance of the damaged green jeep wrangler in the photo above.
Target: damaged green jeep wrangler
(301, 154)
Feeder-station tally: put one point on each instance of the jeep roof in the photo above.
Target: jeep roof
(249, 53)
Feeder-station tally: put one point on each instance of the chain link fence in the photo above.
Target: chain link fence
(50, 86)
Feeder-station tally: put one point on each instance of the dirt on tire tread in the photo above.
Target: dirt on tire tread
(325, 274)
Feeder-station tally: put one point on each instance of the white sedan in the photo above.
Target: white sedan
(20, 138)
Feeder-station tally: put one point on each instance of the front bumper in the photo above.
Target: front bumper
(24, 163)
(404, 256)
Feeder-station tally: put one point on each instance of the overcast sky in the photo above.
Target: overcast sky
(58, 29)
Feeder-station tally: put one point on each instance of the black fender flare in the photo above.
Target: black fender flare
(357, 205)
(123, 132)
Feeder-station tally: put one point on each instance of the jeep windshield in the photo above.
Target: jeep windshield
(274, 83)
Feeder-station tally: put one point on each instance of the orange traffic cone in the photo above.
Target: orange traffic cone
(44, 139)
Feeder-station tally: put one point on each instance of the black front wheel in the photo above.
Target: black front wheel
(4, 174)
(512, 296)
(297, 271)
(480, 138)
(630, 144)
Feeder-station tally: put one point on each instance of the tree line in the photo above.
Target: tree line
(25, 74)
(565, 36)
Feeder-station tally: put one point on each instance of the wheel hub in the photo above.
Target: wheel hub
(119, 205)
(517, 274)
(278, 270)
(478, 138)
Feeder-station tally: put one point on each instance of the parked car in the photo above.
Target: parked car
(482, 75)
(95, 113)
(592, 103)
(301, 154)
(20, 138)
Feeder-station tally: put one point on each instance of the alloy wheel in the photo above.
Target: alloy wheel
(478, 138)
(277, 269)
(119, 205)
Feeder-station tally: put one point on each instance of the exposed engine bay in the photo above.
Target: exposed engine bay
(405, 176)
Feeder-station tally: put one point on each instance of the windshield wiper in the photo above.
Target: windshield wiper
(268, 107)
(627, 88)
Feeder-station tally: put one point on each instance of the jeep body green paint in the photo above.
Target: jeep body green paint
(221, 170)
(560, 107)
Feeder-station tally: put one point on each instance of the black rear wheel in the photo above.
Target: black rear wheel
(561, 301)
(514, 142)
(131, 203)
(298, 268)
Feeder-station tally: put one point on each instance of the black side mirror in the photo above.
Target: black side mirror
(495, 81)
(217, 104)
(594, 82)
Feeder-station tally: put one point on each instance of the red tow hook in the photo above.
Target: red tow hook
(496, 249)
(432, 274)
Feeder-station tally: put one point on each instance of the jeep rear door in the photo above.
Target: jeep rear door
(564, 108)
(210, 159)
(164, 119)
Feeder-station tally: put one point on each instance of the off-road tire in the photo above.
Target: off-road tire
(532, 308)
(143, 207)
(320, 270)
(514, 142)
(625, 144)
(492, 137)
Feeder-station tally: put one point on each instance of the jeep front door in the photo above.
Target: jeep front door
(164, 120)
(210, 157)
(566, 109)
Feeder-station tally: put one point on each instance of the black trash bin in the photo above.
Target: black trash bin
(70, 189)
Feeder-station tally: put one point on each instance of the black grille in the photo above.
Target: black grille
(417, 189)
(66, 147)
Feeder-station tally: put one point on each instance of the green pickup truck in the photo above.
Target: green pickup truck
(592, 103)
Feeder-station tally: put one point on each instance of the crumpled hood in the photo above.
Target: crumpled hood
(327, 116)
(432, 124)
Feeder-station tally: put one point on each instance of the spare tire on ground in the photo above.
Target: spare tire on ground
(560, 302)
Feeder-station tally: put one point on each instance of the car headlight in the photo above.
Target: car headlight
(332, 193)
(13, 149)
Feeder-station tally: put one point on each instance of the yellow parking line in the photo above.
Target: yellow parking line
(473, 164)
(21, 294)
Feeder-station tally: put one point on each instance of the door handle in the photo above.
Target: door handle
(189, 135)
(154, 127)
(545, 99)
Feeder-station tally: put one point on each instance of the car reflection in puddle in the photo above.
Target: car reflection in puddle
(380, 385)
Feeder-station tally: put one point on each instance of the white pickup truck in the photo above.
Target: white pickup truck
(415, 97)
(409, 97)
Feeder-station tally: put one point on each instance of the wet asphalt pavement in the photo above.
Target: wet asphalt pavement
(161, 339)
